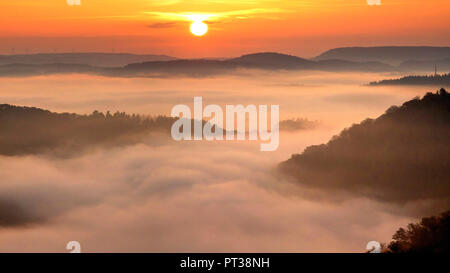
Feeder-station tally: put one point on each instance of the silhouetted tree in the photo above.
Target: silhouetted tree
(431, 235)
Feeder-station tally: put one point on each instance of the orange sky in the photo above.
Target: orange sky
(303, 28)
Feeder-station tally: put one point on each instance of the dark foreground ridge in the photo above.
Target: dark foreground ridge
(402, 156)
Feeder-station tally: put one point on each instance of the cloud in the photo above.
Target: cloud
(374, 2)
(13, 215)
(360, 99)
(298, 124)
(164, 2)
(213, 16)
(163, 25)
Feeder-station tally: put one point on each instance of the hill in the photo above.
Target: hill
(393, 55)
(402, 156)
(360, 59)
(29, 130)
(272, 60)
(92, 59)
(438, 80)
(265, 61)
(194, 67)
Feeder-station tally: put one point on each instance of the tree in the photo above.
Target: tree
(431, 235)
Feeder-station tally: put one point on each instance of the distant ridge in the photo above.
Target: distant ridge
(264, 61)
(93, 59)
(433, 80)
(393, 55)
(194, 67)
(272, 59)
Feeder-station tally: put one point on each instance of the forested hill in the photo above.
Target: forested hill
(26, 130)
(402, 156)
(439, 80)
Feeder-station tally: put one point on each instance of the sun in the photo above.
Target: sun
(198, 28)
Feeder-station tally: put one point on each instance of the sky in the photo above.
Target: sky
(303, 28)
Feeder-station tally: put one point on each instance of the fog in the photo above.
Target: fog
(183, 197)
(340, 98)
(191, 196)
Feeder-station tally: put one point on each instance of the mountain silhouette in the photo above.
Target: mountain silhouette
(273, 60)
(195, 67)
(92, 59)
(361, 59)
(393, 55)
